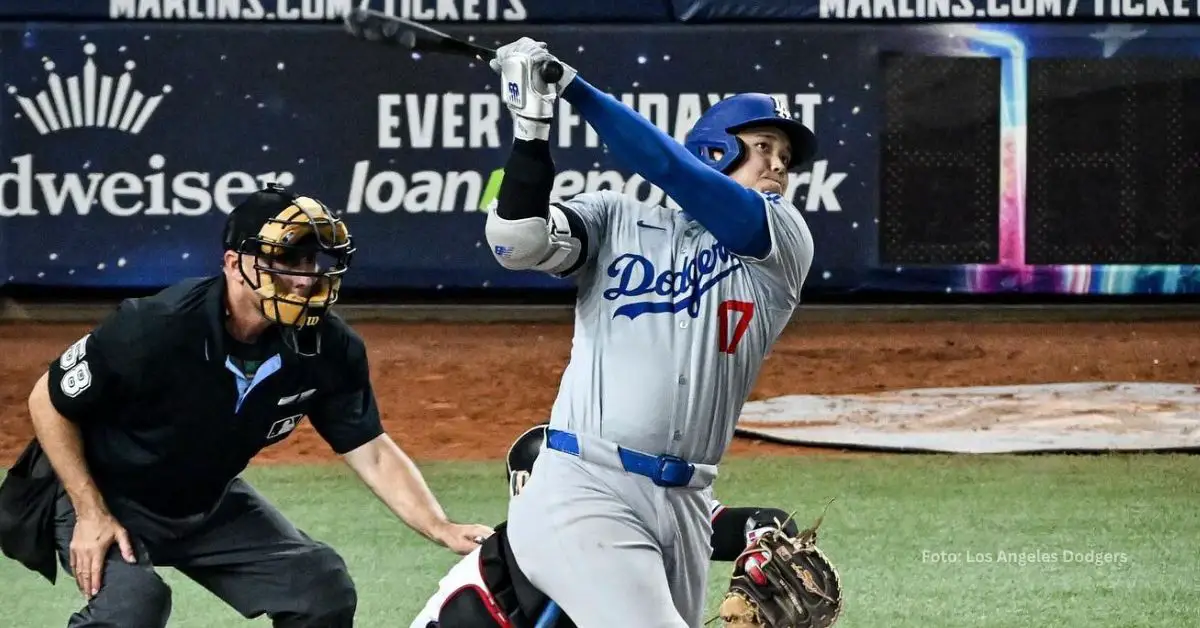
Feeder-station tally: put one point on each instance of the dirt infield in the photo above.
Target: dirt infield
(461, 391)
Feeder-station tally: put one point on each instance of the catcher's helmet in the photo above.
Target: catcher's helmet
(521, 455)
(716, 130)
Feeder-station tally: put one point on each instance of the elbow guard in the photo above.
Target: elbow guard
(533, 243)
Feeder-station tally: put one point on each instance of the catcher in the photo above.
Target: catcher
(780, 579)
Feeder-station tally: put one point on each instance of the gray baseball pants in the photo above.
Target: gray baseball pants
(610, 547)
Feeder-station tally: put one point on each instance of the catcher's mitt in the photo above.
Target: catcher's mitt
(782, 582)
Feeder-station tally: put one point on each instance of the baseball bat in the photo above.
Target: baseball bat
(391, 30)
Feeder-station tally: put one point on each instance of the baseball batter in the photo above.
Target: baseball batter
(675, 313)
(465, 599)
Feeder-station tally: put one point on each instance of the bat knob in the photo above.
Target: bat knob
(551, 72)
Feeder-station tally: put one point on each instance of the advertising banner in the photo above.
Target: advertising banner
(125, 145)
(606, 11)
(322, 11)
(124, 148)
(926, 11)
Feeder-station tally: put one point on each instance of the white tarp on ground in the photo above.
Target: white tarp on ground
(992, 419)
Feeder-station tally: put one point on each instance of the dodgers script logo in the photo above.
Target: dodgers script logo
(637, 276)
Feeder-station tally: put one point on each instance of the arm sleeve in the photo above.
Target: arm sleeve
(90, 377)
(348, 416)
(731, 212)
(528, 181)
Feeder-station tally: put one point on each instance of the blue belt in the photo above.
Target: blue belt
(664, 470)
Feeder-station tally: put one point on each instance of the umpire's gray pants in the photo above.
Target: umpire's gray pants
(245, 552)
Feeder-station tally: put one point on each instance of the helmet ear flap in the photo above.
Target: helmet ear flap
(723, 155)
(714, 154)
(739, 155)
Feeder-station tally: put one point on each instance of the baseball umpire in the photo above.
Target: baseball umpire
(486, 589)
(144, 424)
(675, 313)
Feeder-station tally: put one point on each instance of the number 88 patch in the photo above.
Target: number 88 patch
(76, 375)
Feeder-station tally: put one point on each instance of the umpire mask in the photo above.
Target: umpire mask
(300, 253)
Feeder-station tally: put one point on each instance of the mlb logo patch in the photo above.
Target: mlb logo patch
(283, 427)
(503, 251)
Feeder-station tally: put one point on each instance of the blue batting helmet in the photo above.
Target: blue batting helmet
(716, 130)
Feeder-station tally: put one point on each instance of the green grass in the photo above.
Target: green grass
(889, 511)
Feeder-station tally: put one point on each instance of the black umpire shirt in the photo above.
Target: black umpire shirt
(171, 408)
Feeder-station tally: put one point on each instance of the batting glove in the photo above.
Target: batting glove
(529, 99)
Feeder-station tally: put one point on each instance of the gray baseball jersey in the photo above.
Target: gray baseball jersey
(670, 333)
(670, 328)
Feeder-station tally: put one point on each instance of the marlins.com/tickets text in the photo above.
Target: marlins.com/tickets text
(1004, 9)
